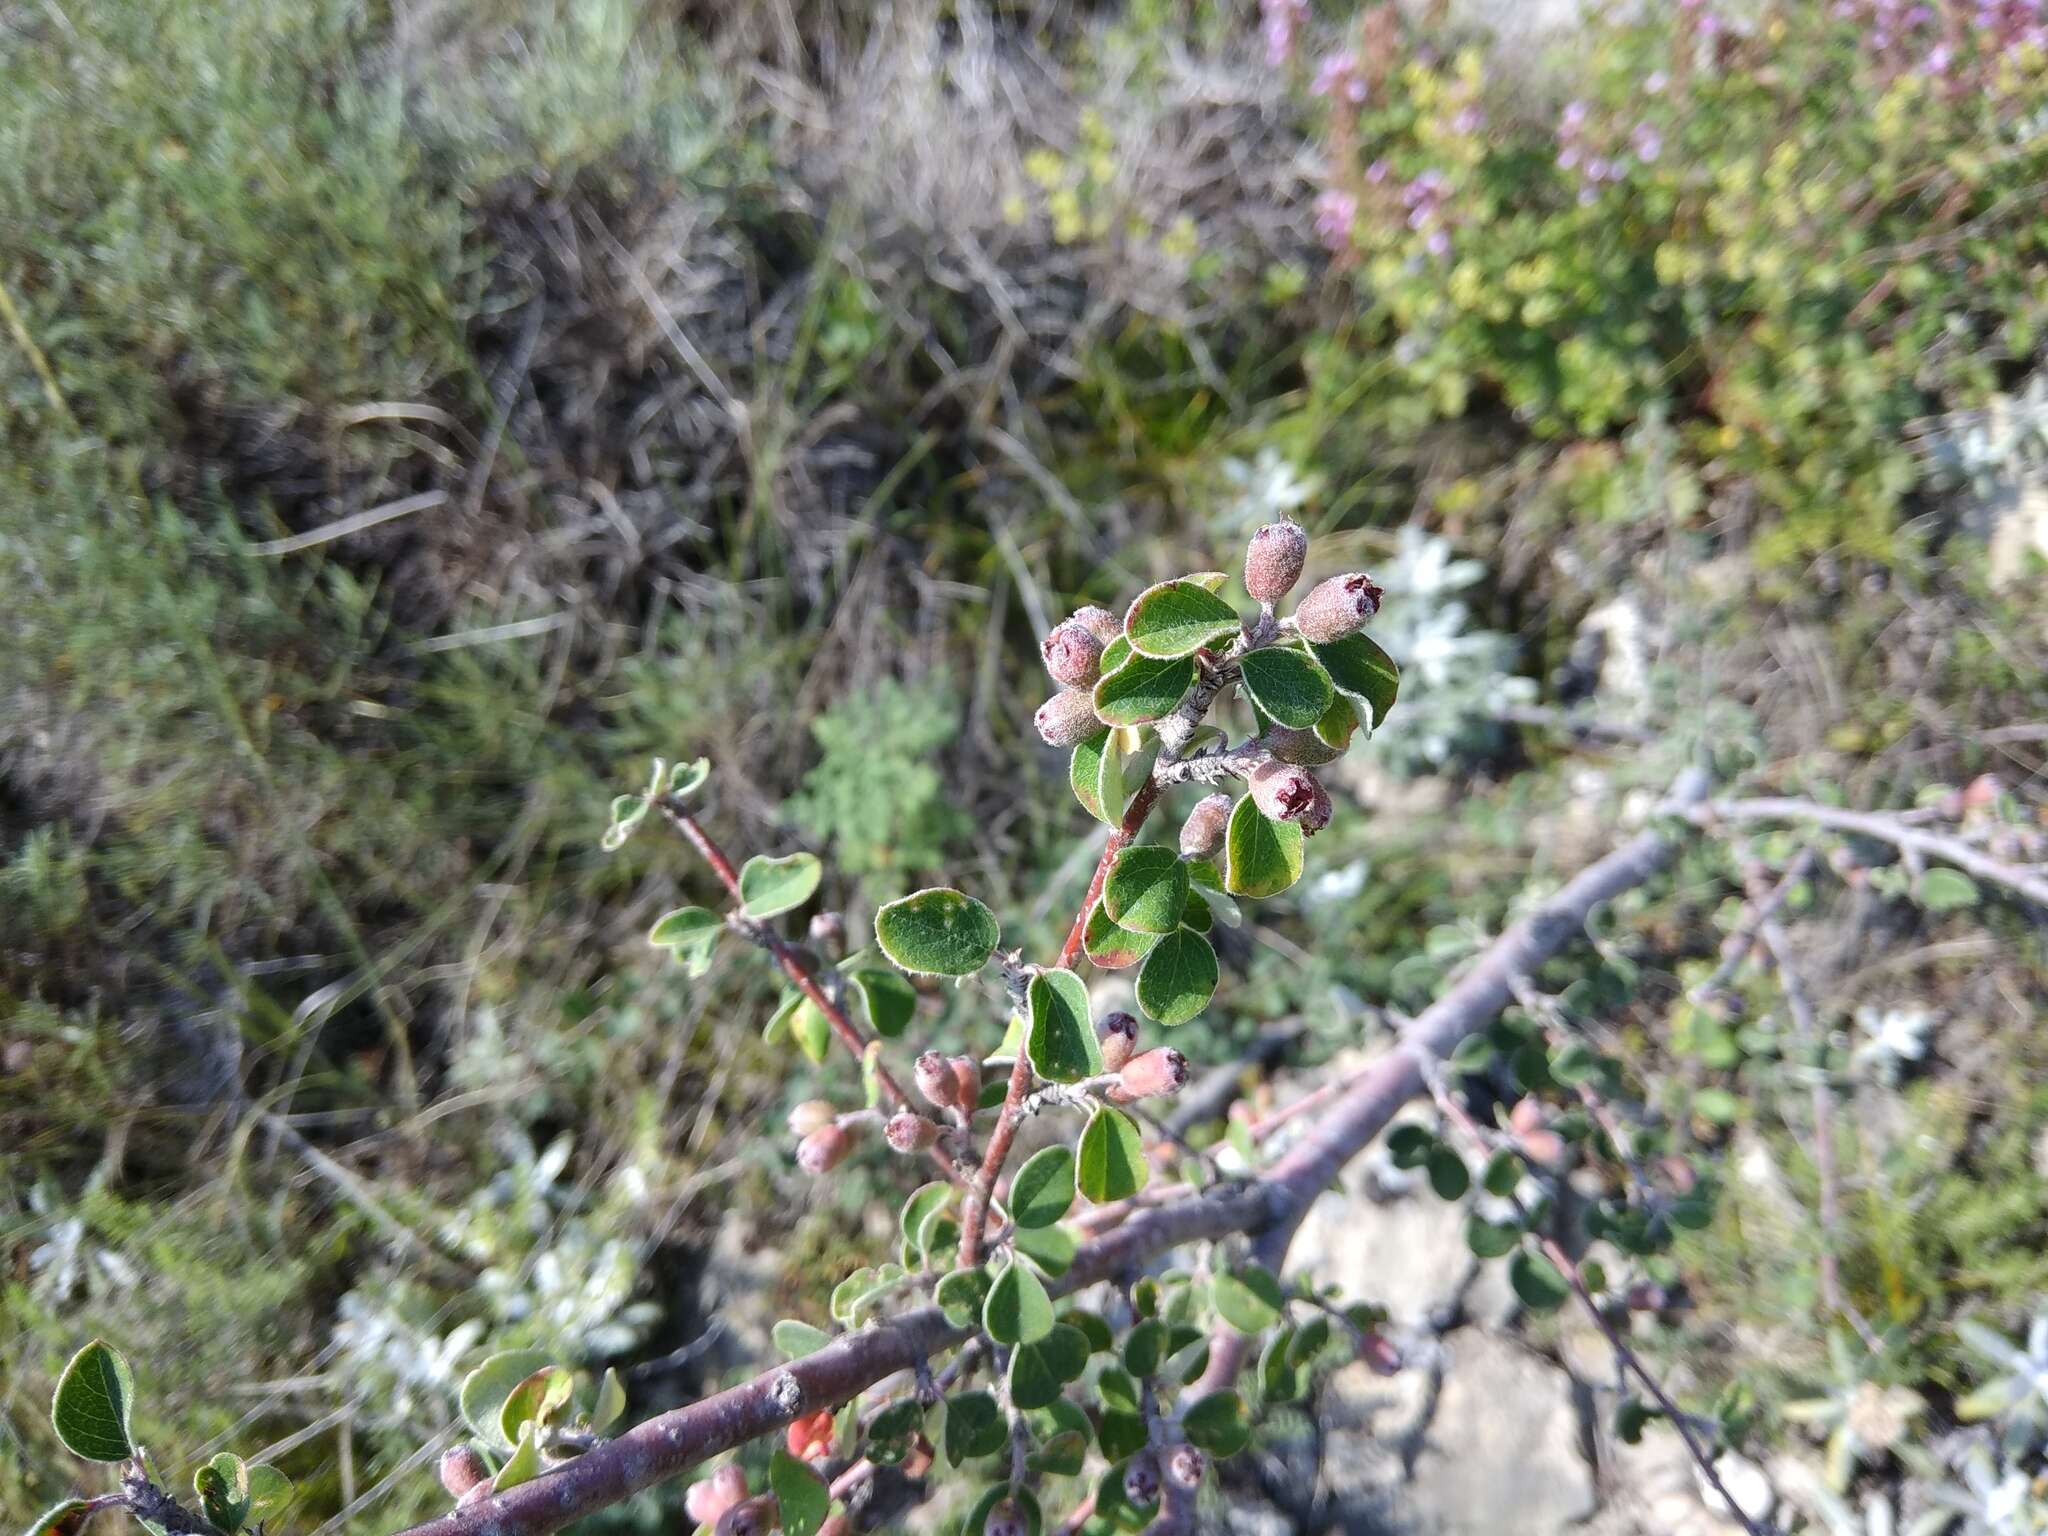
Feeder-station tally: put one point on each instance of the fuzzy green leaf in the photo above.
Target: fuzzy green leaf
(974, 1427)
(1111, 1164)
(960, 1293)
(797, 1338)
(1040, 1369)
(94, 1404)
(1043, 1188)
(937, 932)
(539, 1399)
(1052, 1249)
(1061, 1043)
(1287, 685)
(485, 1389)
(1178, 618)
(1338, 724)
(1142, 690)
(800, 1494)
(770, 887)
(1111, 945)
(924, 1202)
(269, 1492)
(1249, 1298)
(1537, 1282)
(811, 1030)
(1096, 772)
(691, 934)
(223, 1489)
(67, 1517)
(891, 1001)
(1017, 1310)
(1147, 889)
(1218, 1424)
(1364, 673)
(1178, 979)
(1262, 856)
(524, 1464)
(609, 1402)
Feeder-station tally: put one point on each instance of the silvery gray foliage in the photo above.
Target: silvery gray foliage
(1894, 1040)
(1985, 450)
(1455, 679)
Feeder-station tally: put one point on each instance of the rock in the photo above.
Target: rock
(1747, 1484)
(1407, 1254)
(1503, 1450)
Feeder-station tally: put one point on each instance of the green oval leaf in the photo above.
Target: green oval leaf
(1043, 1188)
(94, 1404)
(1038, 1371)
(1017, 1310)
(891, 1001)
(1537, 1281)
(1111, 1163)
(1262, 857)
(770, 887)
(1112, 946)
(1363, 672)
(919, 1208)
(797, 1338)
(685, 779)
(1338, 725)
(1218, 1424)
(1061, 1042)
(1249, 1298)
(1448, 1175)
(974, 1427)
(691, 933)
(1287, 685)
(223, 1489)
(1178, 618)
(811, 1030)
(1052, 1249)
(485, 1389)
(1178, 978)
(960, 1293)
(524, 1464)
(538, 1400)
(937, 932)
(609, 1402)
(1147, 889)
(1142, 690)
(269, 1492)
(1096, 772)
(800, 1494)
(64, 1518)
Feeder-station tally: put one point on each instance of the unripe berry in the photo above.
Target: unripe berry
(811, 1115)
(1118, 1034)
(1099, 622)
(1202, 833)
(1067, 718)
(1273, 561)
(1072, 655)
(1304, 749)
(1317, 816)
(967, 1082)
(462, 1468)
(1337, 607)
(824, 1149)
(936, 1080)
(1004, 1520)
(1158, 1071)
(708, 1501)
(1283, 791)
(907, 1132)
(810, 1437)
(1379, 1354)
(1185, 1465)
(828, 931)
(1141, 1480)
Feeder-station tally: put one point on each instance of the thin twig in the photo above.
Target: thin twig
(1735, 948)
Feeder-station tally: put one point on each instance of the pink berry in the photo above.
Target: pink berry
(1273, 561)
(1067, 718)
(1202, 833)
(1099, 622)
(1160, 1071)
(824, 1149)
(1073, 655)
(907, 1133)
(1337, 607)
(462, 1468)
(934, 1076)
(1283, 791)
(1118, 1034)
(708, 1500)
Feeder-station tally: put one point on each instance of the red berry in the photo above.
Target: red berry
(1158, 1071)
(1202, 833)
(1317, 816)
(462, 1468)
(1118, 1034)
(1072, 655)
(1099, 622)
(967, 1082)
(907, 1132)
(935, 1079)
(811, 1436)
(1273, 561)
(1283, 791)
(708, 1500)
(824, 1149)
(1337, 607)
(1067, 718)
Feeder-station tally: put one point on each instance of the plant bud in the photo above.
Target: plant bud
(1159, 1071)
(1283, 791)
(1141, 1480)
(1317, 816)
(811, 1115)
(1273, 561)
(708, 1500)
(1099, 622)
(1185, 1465)
(935, 1079)
(907, 1132)
(824, 1149)
(1073, 655)
(1379, 1354)
(756, 1517)
(1004, 1520)
(810, 1437)
(1202, 833)
(1304, 749)
(967, 1083)
(1067, 718)
(1538, 1140)
(1337, 607)
(462, 1468)
(828, 932)
(1118, 1033)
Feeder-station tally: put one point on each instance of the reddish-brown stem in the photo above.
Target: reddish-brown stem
(794, 966)
(974, 1208)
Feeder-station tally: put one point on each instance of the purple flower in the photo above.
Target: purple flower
(1647, 142)
(1568, 158)
(1938, 59)
(1655, 81)
(1438, 244)
(1599, 168)
(1468, 120)
(1337, 77)
(1588, 195)
(1572, 118)
(1335, 212)
(1278, 21)
(1377, 172)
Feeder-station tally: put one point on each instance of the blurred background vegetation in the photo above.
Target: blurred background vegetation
(416, 416)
